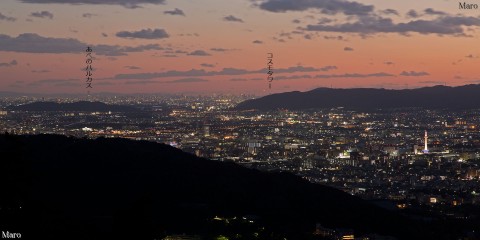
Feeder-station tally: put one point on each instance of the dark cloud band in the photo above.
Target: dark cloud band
(445, 25)
(144, 33)
(225, 71)
(34, 43)
(125, 3)
(325, 6)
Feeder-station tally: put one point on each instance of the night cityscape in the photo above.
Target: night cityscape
(239, 120)
(421, 163)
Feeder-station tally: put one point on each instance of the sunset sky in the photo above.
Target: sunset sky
(221, 46)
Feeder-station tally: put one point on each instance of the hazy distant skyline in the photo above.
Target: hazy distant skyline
(221, 46)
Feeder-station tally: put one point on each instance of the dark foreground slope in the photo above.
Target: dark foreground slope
(463, 97)
(54, 187)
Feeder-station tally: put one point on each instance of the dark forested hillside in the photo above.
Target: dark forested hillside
(56, 187)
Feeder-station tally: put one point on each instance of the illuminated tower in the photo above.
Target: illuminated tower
(426, 143)
(206, 131)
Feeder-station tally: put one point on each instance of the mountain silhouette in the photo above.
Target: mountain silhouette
(81, 106)
(462, 97)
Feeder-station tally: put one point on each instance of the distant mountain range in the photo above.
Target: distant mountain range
(60, 187)
(84, 95)
(82, 106)
(463, 97)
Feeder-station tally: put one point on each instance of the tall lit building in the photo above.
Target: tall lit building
(425, 150)
(206, 131)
